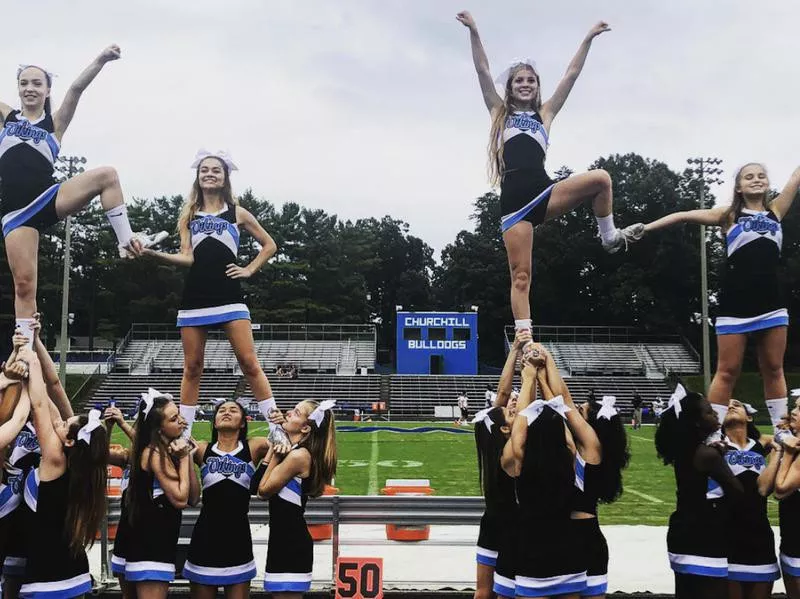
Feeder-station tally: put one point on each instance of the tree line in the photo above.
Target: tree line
(330, 270)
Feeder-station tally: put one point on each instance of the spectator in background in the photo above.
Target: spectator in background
(592, 396)
(637, 409)
(489, 396)
(463, 405)
(658, 408)
(293, 372)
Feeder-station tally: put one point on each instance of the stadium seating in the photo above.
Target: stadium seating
(350, 392)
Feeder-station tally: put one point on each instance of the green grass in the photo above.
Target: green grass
(448, 460)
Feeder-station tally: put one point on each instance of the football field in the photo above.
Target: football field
(371, 453)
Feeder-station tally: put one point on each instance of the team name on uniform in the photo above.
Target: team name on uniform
(208, 225)
(748, 459)
(27, 441)
(226, 466)
(25, 131)
(523, 122)
(759, 223)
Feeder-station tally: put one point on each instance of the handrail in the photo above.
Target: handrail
(335, 510)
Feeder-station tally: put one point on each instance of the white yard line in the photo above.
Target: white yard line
(643, 495)
(372, 488)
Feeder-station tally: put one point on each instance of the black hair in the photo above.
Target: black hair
(489, 446)
(678, 437)
(242, 430)
(616, 452)
(549, 465)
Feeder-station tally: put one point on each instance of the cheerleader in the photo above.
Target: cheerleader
(227, 467)
(787, 490)
(25, 454)
(121, 458)
(518, 143)
(696, 538)
(540, 456)
(32, 201)
(209, 226)
(751, 295)
(162, 483)
(752, 566)
(66, 495)
(495, 550)
(293, 475)
(601, 455)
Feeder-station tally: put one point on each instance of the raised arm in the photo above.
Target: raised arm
(281, 471)
(553, 106)
(781, 204)
(583, 433)
(788, 479)
(176, 488)
(506, 383)
(706, 216)
(10, 429)
(268, 246)
(55, 390)
(63, 116)
(766, 480)
(53, 458)
(490, 95)
(184, 258)
(514, 450)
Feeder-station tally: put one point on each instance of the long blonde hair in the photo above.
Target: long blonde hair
(196, 201)
(496, 164)
(732, 213)
(321, 444)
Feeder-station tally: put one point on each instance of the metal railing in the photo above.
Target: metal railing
(594, 334)
(268, 332)
(334, 510)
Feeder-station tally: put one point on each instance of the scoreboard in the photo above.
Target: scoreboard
(437, 342)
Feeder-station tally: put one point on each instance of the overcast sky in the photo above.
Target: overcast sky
(372, 107)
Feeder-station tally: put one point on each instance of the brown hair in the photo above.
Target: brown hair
(738, 203)
(321, 444)
(47, 78)
(86, 497)
(196, 201)
(496, 165)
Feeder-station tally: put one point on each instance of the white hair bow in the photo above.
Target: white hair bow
(607, 409)
(150, 397)
(675, 399)
(319, 412)
(483, 416)
(502, 78)
(85, 432)
(243, 403)
(749, 409)
(533, 411)
(795, 392)
(202, 154)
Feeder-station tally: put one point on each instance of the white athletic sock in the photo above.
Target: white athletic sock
(24, 325)
(721, 411)
(777, 408)
(606, 226)
(523, 324)
(188, 413)
(118, 217)
(265, 406)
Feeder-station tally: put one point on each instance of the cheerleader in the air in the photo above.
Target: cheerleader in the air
(751, 299)
(294, 474)
(32, 200)
(210, 225)
(227, 466)
(162, 483)
(706, 487)
(752, 565)
(518, 142)
(495, 550)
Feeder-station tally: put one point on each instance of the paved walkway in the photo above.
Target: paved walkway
(638, 557)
